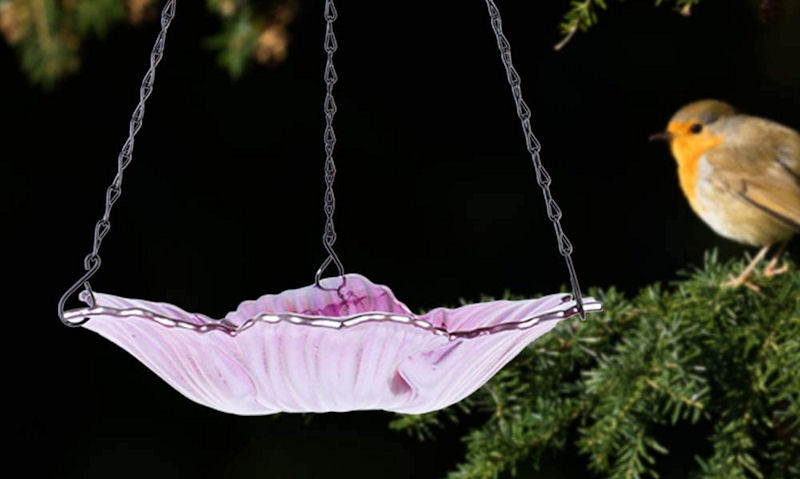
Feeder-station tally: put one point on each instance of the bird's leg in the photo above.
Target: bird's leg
(771, 269)
(742, 278)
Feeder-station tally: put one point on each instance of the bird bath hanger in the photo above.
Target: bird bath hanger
(341, 344)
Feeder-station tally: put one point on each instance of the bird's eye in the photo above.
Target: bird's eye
(696, 128)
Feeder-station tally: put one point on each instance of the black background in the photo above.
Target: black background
(436, 198)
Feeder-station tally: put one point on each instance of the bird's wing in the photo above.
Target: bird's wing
(760, 175)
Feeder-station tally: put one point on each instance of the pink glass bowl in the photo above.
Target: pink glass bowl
(350, 345)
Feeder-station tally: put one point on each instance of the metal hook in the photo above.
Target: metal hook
(332, 258)
(92, 265)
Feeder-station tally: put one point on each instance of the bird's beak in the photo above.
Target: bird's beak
(661, 136)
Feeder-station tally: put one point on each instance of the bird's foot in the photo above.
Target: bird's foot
(752, 287)
(741, 280)
(734, 283)
(771, 270)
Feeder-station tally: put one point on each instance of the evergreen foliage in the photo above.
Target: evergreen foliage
(48, 34)
(583, 14)
(619, 386)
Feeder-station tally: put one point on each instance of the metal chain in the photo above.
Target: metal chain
(329, 236)
(542, 177)
(91, 262)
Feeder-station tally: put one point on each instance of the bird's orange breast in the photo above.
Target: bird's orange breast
(687, 149)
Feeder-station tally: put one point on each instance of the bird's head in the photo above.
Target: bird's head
(691, 131)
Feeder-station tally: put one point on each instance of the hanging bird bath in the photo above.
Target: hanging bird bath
(316, 350)
(341, 344)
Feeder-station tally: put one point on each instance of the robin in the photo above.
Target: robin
(741, 175)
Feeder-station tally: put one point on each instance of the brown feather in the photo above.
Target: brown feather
(761, 166)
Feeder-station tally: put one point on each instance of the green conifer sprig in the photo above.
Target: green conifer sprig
(48, 34)
(724, 362)
(237, 41)
(583, 14)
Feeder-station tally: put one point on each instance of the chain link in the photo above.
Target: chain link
(534, 147)
(329, 107)
(91, 262)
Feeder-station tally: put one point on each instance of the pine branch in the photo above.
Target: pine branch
(48, 34)
(724, 361)
(583, 14)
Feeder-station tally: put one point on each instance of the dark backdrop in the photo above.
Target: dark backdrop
(436, 197)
